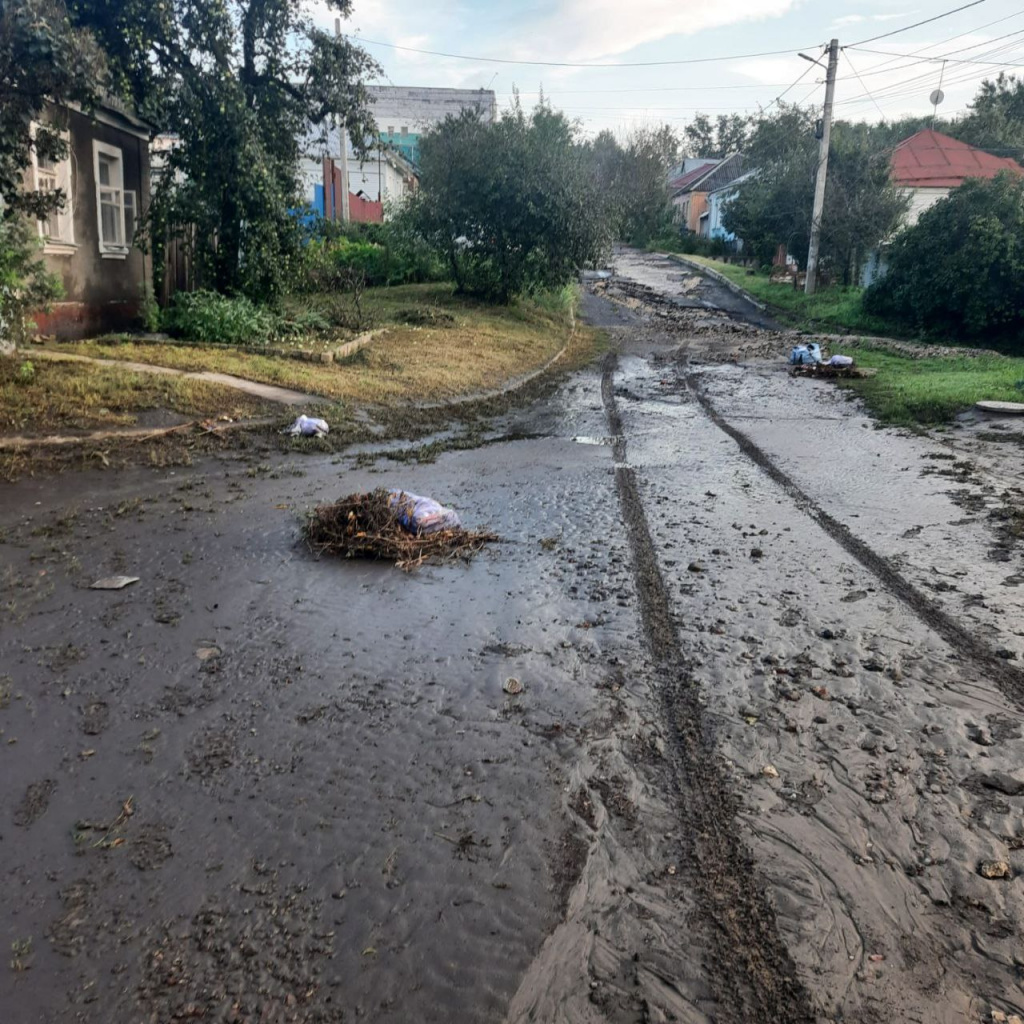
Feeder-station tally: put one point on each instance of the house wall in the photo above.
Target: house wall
(922, 199)
(101, 293)
(697, 205)
(404, 113)
(377, 180)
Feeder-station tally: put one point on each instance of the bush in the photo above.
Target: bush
(511, 207)
(216, 319)
(689, 244)
(383, 254)
(960, 269)
(25, 284)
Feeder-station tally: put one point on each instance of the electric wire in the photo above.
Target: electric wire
(918, 24)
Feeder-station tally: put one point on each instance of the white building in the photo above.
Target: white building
(339, 185)
(403, 113)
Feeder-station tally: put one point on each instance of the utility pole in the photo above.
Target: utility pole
(819, 184)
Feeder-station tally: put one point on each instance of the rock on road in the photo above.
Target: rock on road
(765, 756)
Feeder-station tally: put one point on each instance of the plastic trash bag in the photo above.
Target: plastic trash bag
(805, 355)
(423, 516)
(841, 361)
(307, 426)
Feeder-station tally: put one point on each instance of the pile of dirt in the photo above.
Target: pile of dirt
(368, 526)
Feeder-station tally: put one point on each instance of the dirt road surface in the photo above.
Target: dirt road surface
(767, 751)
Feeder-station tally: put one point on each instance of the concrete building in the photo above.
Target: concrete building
(404, 113)
(712, 220)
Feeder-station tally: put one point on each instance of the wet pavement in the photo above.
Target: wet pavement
(768, 737)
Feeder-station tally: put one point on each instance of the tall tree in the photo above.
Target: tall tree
(511, 206)
(773, 207)
(238, 84)
(727, 133)
(44, 62)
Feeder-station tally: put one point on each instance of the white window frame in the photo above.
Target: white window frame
(130, 193)
(64, 243)
(110, 250)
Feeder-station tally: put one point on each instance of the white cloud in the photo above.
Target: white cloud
(586, 30)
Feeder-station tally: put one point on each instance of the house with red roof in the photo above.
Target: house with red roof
(929, 165)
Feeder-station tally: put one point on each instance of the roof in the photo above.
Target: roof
(676, 185)
(930, 159)
(730, 186)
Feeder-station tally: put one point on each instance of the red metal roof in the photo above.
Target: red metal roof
(685, 179)
(930, 159)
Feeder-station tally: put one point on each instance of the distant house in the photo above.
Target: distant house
(690, 191)
(89, 244)
(927, 167)
(712, 223)
(342, 186)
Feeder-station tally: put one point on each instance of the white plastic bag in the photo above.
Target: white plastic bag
(307, 426)
(421, 515)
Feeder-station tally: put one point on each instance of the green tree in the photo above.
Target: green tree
(238, 84)
(960, 269)
(511, 206)
(995, 121)
(633, 179)
(773, 207)
(726, 134)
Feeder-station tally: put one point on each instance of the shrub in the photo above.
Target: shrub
(383, 254)
(960, 269)
(217, 319)
(25, 285)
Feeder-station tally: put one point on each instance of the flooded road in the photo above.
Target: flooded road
(765, 765)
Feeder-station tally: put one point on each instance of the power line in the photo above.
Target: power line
(951, 60)
(918, 24)
(576, 64)
(867, 92)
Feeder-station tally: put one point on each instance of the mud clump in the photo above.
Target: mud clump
(150, 847)
(34, 803)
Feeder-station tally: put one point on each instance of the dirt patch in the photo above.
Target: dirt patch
(34, 803)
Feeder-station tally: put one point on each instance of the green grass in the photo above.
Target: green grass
(437, 346)
(51, 396)
(929, 391)
(834, 309)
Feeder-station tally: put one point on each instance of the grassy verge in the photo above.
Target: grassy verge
(834, 309)
(438, 346)
(47, 397)
(906, 392)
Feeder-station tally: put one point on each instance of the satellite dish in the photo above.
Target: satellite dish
(936, 97)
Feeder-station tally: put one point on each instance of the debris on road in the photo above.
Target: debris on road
(114, 582)
(371, 525)
(994, 869)
(838, 360)
(423, 516)
(805, 355)
(307, 426)
(512, 686)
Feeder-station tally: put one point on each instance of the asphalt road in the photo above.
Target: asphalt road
(769, 730)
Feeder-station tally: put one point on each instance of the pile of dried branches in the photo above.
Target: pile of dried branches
(366, 526)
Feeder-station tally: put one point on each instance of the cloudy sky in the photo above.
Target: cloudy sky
(893, 80)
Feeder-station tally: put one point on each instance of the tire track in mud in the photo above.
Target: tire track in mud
(752, 972)
(1009, 679)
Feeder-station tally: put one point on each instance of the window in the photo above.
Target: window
(58, 228)
(113, 205)
(131, 213)
(405, 130)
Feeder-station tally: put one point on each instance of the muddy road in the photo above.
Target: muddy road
(765, 767)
